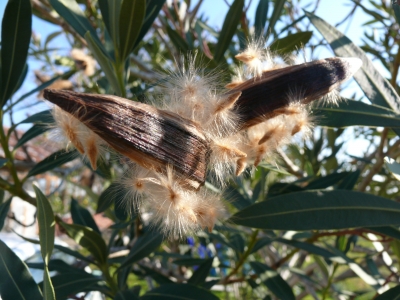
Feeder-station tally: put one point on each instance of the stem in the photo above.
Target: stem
(330, 279)
(109, 279)
(252, 242)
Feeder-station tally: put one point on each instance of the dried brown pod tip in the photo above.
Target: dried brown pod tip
(151, 137)
(263, 96)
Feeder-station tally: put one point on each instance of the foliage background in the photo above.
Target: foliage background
(343, 245)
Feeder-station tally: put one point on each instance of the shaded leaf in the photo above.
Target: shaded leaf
(349, 181)
(228, 28)
(352, 113)
(189, 261)
(48, 289)
(158, 277)
(31, 133)
(315, 210)
(396, 9)
(392, 294)
(261, 243)
(82, 216)
(177, 40)
(53, 161)
(126, 295)
(144, 246)
(273, 281)
(104, 63)
(57, 265)
(43, 117)
(199, 276)
(276, 14)
(326, 181)
(109, 196)
(88, 239)
(261, 17)
(179, 291)
(16, 283)
(130, 22)
(104, 9)
(15, 39)
(153, 8)
(291, 42)
(68, 284)
(4, 208)
(114, 7)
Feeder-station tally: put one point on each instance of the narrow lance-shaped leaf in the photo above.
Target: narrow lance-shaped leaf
(317, 210)
(114, 10)
(199, 276)
(82, 216)
(291, 42)
(228, 28)
(4, 208)
(88, 239)
(273, 281)
(53, 161)
(279, 4)
(130, 22)
(378, 90)
(261, 17)
(178, 291)
(16, 283)
(15, 38)
(177, 40)
(32, 132)
(46, 222)
(355, 113)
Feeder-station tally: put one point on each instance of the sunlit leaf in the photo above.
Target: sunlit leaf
(88, 239)
(355, 113)
(15, 39)
(261, 17)
(31, 133)
(276, 14)
(291, 42)
(393, 167)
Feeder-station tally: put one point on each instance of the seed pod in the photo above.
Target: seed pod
(151, 137)
(262, 96)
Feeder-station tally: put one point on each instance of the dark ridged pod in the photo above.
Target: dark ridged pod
(151, 137)
(309, 81)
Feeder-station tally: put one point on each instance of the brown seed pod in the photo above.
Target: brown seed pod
(151, 137)
(262, 97)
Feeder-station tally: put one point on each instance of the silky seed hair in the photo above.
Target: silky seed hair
(217, 132)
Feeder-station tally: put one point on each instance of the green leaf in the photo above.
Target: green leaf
(178, 291)
(130, 22)
(273, 281)
(228, 29)
(396, 9)
(16, 283)
(104, 9)
(311, 248)
(67, 284)
(126, 295)
(46, 222)
(386, 230)
(3, 161)
(88, 239)
(4, 208)
(144, 246)
(291, 42)
(378, 90)
(81, 216)
(276, 14)
(73, 253)
(261, 17)
(317, 210)
(57, 265)
(392, 294)
(158, 277)
(356, 113)
(261, 243)
(179, 43)
(15, 39)
(32, 132)
(393, 167)
(153, 8)
(43, 117)
(349, 181)
(110, 195)
(72, 13)
(48, 289)
(104, 62)
(53, 161)
(200, 275)
(326, 181)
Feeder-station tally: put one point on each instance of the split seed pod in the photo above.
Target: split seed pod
(157, 139)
